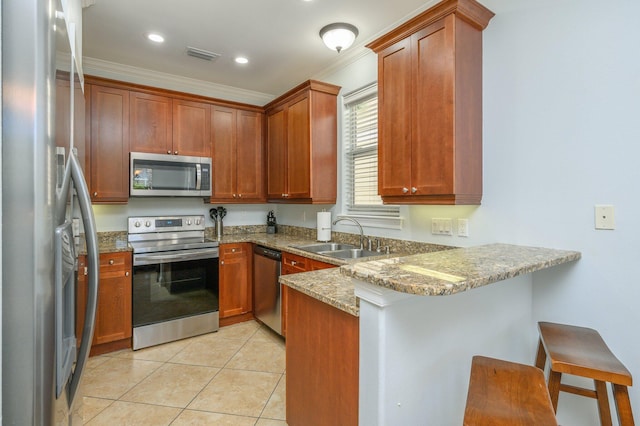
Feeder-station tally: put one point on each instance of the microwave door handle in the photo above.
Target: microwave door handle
(198, 176)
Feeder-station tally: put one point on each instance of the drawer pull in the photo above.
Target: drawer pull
(111, 262)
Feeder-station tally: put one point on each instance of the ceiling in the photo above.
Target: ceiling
(279, 37)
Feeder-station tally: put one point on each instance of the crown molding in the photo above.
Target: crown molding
(130, 74)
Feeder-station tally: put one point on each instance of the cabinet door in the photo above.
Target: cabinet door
(394, 121)
(235, 279)
(191, 128)
(113, 316)
(432, 150)
(223, 123)
(299, 149)
(150, 123)
(109, 144)
(249, 147)
(276, 155)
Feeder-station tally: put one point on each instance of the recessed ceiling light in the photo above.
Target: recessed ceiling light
(242, 60)
(155, 37)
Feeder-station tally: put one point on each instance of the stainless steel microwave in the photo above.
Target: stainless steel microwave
(161, 175)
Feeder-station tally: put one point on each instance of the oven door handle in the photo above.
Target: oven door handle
(180, 256)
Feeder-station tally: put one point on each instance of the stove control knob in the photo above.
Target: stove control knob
(197, 221)
(188, 222)
(147, 224)
(137, 224)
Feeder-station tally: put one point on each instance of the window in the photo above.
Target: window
(361, 158)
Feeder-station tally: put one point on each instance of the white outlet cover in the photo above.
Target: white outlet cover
(463, 227)
(605, 217)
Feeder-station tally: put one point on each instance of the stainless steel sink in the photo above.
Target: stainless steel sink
(338, 250)
(353, 253)
(325, 247)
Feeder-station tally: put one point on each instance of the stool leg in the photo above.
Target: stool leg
(554, 388)
(623, 406)
(541, 357)
(603, 403)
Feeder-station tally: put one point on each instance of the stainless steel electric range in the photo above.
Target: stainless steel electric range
(175, 279)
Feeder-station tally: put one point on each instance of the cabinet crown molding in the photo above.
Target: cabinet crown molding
(315, 85)
(469, 10)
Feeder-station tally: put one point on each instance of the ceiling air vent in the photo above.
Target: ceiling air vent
(202, 54)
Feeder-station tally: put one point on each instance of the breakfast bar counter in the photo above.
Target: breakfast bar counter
(420, 320)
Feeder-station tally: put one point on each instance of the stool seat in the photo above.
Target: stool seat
(581, 351)
(503, 393)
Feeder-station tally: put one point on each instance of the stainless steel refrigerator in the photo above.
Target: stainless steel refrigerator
(43, 190)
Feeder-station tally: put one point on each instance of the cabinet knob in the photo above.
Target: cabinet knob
(168, 151)
(175, 152)
(126, 274)
(222, 262)
(233, 250)
(110, 261)
(293, 263)
(414, 189)
(95, 194)
(234, 195)
(239, 195)
(405, 190)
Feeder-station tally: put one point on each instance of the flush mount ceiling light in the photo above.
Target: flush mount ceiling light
(241, 60)
(155, 37)
(338, 36)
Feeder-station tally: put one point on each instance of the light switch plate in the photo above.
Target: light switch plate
(605, 217)
(441, 226)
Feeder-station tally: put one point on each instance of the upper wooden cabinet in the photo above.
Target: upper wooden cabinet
(151, 121)
(430, 106)
(191, 128)
(109, 144)
(237, 152)
(302, 145)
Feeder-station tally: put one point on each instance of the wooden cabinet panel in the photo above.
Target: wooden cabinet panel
(394, 123)
(235, 279)
(150, 127)
(430, 104)
(302, 145)
(191, 128)
(317, 265)
(322, 363)
(249, 157)
(223, 123)
(276, 155)
(109, 145)
(237, 155)
(113, 327)
(298, 149)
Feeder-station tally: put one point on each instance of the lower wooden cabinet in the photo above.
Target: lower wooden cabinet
(292, 264)
(322, 363)
(113, 314)
(235, 280)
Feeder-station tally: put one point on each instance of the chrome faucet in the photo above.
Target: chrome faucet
(359, 226)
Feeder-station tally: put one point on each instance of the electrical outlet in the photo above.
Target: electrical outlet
(605, 217)
(463, 227)
(441, 226)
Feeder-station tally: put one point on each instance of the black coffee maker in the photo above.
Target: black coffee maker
(271, 223)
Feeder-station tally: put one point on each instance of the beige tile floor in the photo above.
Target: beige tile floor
(235, 376)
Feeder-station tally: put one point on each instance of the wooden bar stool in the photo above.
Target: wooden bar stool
(582, 352)
(503, 393)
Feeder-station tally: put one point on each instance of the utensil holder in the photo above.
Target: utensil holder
(219, 228)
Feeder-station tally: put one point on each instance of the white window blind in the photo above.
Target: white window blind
(361, 155)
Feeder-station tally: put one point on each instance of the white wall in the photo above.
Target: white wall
(561, 132)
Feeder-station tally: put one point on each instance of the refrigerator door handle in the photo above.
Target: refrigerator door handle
(84, 201)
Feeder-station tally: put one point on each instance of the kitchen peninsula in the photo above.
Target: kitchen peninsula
(420, 320)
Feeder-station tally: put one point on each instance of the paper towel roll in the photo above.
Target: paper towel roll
(324, 226)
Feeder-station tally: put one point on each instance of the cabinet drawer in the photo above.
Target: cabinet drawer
(292, 263)
(230, 249)
(115, 262)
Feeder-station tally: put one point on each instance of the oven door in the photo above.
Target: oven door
(174, 285)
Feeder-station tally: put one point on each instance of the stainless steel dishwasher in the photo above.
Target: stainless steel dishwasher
(266, 288)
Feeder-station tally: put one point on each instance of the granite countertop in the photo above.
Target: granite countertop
(430, 274)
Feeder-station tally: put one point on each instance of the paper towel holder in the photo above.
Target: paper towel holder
(323, 226)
